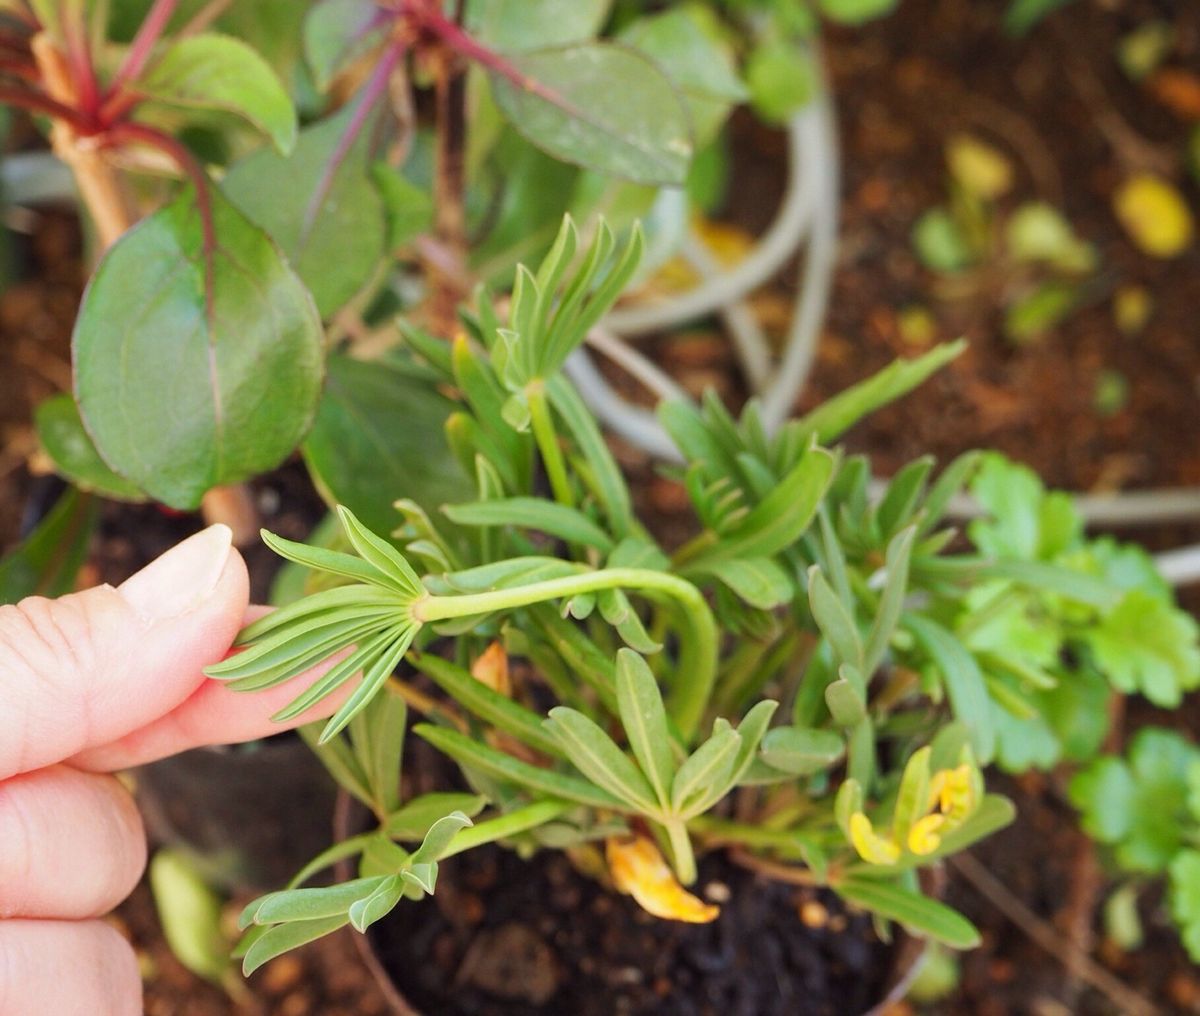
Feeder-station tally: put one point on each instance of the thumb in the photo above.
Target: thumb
(90, 667)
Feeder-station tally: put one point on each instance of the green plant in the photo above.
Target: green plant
(817, 654)
(1027, 259)
(1145, 809)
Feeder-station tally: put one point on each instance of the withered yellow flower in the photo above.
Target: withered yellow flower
(639, 869)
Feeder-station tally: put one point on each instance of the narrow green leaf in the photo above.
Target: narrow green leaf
(752, 729)
(835, 620)
(372, 681)
(490, 706)
(801, 752)
(471, 754)
(706, 770)
(644, 718)
(558, 520)
(919, 914)
(307, 904)
(963, 680)
(377, 733)
(414, 820)
(891, 602)
(758, 581)
(285, 937)
(597, 756)
(380, 553)
(912, 802)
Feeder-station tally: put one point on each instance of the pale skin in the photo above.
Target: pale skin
(93, 683)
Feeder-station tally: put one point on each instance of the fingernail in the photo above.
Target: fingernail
(179, 580)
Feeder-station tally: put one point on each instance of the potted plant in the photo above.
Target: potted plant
(808, 686)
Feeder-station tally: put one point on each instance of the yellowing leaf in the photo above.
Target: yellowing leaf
(1155, 216)
(871, 847)
(640, 870)
(491, 669)
(978, 168)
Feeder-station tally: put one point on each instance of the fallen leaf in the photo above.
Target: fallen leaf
(1155, 215)
(1178, 90)
(639, 869)
(979, 168)
(491, 669)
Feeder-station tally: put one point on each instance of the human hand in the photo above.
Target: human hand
(90, 683)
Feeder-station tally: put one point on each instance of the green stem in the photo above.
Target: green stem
(681, 851)
(699, 643)
(518, 821)
(694, 548)
(721, 830)
(547, 442)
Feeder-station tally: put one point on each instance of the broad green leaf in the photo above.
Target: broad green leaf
(61, 433)
(686, 43)
(336, 32)
(644, 719)
(514, 26)
(48, 560)
(195, 366)
(597, 756)
(408, 209)
(1022, 15)
(941, 243)
(919, 914)
(800, 751)
(218, 72)
(285, 937)
(312, 202)
(566, 523)
(471, 754)
(602, 106)
(1140, 806)
(378, 436)
(1183, 895)
(846, 703)
(1150, 646)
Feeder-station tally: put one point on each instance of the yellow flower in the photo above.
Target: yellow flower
(923, 837)
(952, 791)
(871, 847)
(639, 869)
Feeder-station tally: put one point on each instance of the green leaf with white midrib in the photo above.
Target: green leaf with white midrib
(644, 719)
(706, 771)
(558, 520)
(381, 554)
(470, 753)
(333, 678)
(597, 756)
(372, 681)
(490, 706)
(285, 937)
(916, 912)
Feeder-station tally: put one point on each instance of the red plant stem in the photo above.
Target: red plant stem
(18, 68)
(35, 102)
(143, 45)
(83, 73)
(375, 87)
(187, 162)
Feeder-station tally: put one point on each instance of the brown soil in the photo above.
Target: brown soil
(504, 937)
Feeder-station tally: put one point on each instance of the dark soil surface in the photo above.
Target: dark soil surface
(1074, 126)
(503, 937)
